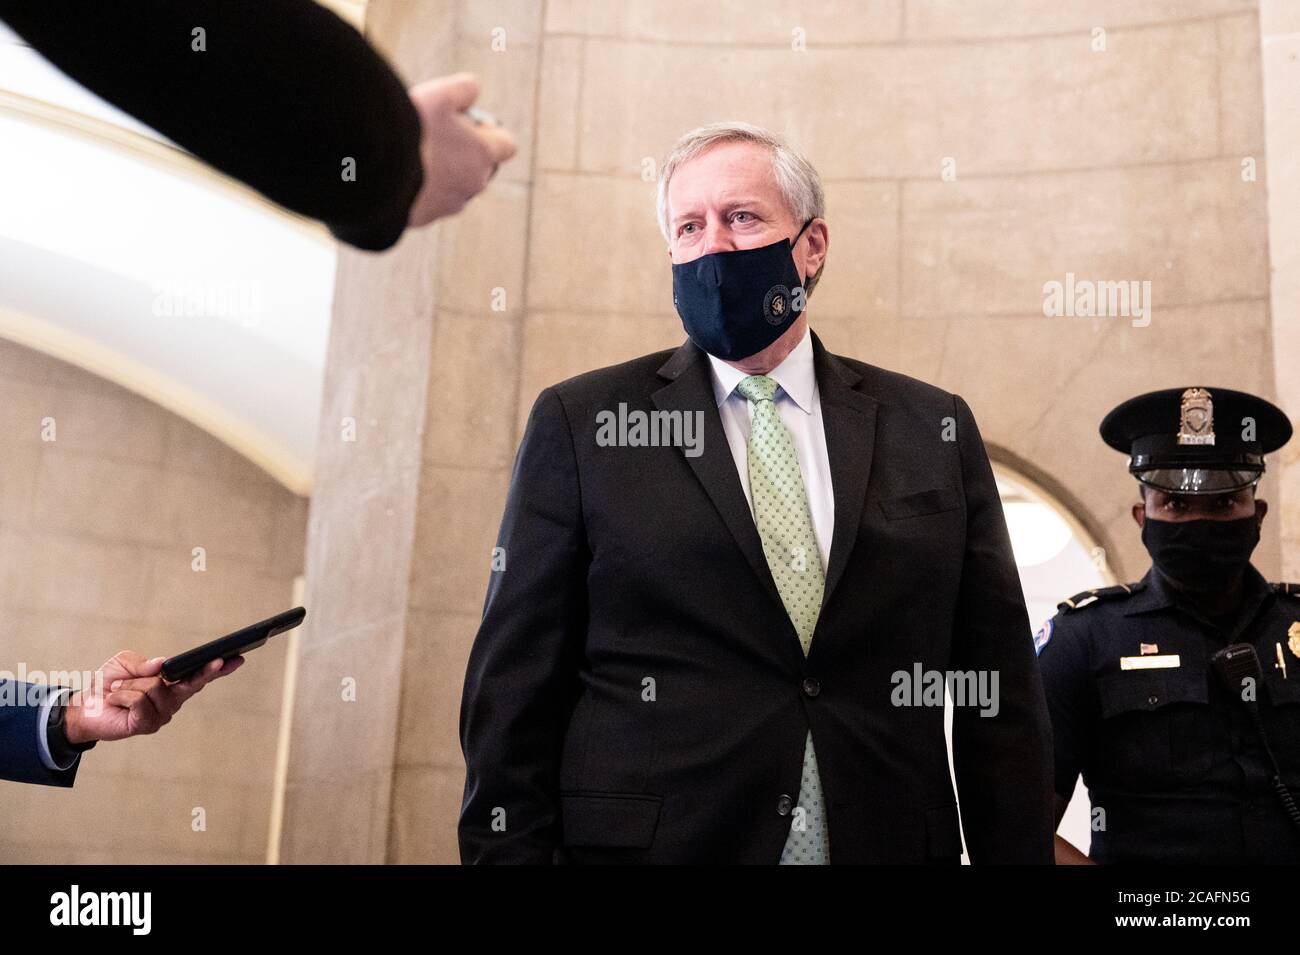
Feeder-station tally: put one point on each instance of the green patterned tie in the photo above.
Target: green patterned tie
(785, 527)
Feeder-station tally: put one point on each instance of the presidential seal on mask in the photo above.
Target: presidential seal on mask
(1177, 697)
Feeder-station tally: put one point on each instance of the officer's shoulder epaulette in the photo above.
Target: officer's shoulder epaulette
(1287, 590)
(1089, 597)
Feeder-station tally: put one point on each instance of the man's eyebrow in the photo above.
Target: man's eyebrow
(683, 215)
(737, 202)
(726, 205)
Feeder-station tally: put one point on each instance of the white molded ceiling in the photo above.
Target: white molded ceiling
(120, 254)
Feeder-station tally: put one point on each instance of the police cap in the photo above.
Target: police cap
(1196, 440)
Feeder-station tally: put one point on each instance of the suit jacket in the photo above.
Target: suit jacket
(20, 759)
(637, 693)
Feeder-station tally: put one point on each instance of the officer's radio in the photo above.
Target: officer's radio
(1236, 664)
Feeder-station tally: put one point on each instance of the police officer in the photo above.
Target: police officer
(1177, 766)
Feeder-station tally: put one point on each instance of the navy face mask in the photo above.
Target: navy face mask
(735, 304)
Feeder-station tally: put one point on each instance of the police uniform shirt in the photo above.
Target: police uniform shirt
(1174, 768)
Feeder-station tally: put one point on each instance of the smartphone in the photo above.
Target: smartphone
(481, 117)
(231, 645)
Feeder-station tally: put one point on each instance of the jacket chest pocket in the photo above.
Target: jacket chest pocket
(935, 500)
(1282, 718)
(1158, 727)
(915, 534)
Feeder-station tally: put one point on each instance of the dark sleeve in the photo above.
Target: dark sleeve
(1002, 763)
(1063, 661)
(284, 91)
(522, 679)
(20, 713)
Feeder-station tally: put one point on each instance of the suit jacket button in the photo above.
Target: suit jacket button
(784, 805)
(811, 686)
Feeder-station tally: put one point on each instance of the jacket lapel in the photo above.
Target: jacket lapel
(689, 389)
(849, 417)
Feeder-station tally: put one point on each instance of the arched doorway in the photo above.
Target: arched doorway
(1057, 556)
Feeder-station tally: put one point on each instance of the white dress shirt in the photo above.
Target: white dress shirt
(798, 401)
(42, 731)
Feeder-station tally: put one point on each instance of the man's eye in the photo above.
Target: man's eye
(747, 216)
(686, 228)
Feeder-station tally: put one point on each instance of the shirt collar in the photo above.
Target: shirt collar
(1158, 595)
(796, 376)
(1152, 594)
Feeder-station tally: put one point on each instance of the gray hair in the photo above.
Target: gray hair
(800, 185)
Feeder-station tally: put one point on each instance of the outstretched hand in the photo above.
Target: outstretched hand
(129, 697)
(458, 157)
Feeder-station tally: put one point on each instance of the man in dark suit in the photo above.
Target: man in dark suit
(731, 576)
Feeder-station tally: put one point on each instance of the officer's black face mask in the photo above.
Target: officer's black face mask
(735, 304)
(1204, 555)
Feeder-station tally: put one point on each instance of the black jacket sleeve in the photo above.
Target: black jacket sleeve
(1063, 662)
(281, 95)
(523, 676)
(1003, 762)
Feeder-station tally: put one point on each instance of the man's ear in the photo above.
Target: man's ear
(818, 240)
(1139, 512)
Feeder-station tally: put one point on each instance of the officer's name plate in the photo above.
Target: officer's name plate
(1164, 661)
